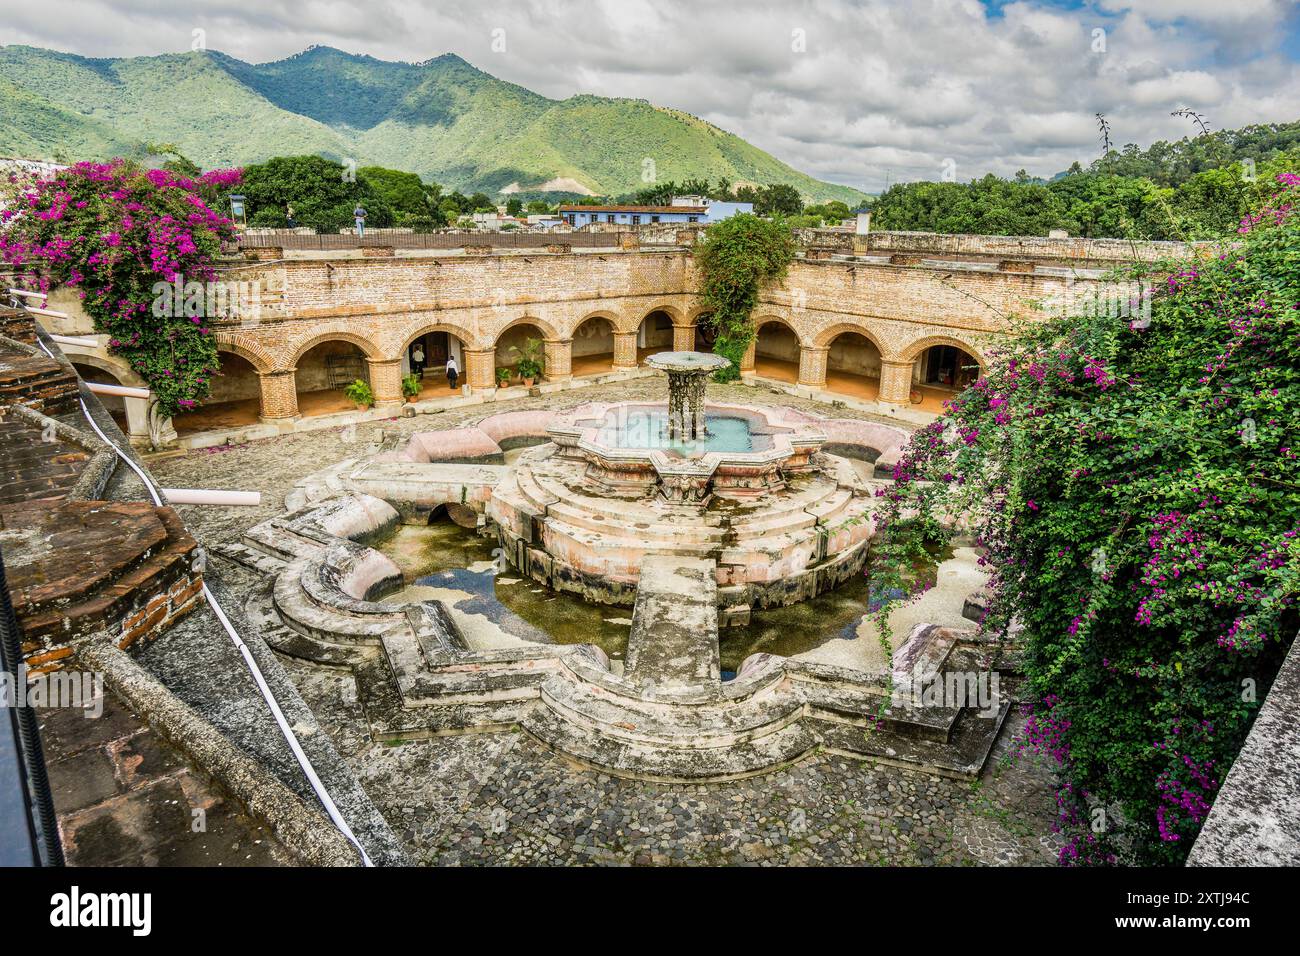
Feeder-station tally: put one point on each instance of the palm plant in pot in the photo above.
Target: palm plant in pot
(410, 386)
(530, 361)
(360, 394)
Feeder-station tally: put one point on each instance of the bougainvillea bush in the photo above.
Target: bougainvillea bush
(114, 231)
(1135, 488)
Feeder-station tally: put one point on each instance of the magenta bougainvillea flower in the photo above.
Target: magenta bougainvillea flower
(114, 232)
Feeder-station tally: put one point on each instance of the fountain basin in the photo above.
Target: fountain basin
(628, 447)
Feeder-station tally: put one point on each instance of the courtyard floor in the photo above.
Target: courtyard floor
(504, 799)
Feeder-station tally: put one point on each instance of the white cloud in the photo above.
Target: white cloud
(882, 88)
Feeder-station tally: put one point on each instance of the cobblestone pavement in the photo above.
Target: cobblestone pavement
(503, 799)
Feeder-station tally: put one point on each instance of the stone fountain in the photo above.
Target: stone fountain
(687, 377)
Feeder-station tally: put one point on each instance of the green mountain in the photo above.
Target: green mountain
(443, 119)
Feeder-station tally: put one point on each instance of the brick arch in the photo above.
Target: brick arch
(117, 368)
(695, 312)
(613, 318)
(371, 350)
(826, 336)
(467, 339)
(767, 318)
(913, 350)
(246, 348)
(673, 312)
(546, 328)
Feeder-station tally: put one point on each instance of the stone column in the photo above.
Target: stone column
(812, 366)
(559, 360)
(480, 368)
(625, 350)
(895, 382)
(386, 381)
(684, 338)
(279, 398)
(137, 420)
(747, 360)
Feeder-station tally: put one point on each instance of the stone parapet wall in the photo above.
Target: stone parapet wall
(1068, 249)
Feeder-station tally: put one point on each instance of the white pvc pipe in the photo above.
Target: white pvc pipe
(125, 391)
(201, 496)
(300, 755)
(74, 340)
(50, 312)
(28, 293)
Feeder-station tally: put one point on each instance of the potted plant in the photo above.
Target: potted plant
(410, 386)
(503, 377)
(360, 394)
(530, 360)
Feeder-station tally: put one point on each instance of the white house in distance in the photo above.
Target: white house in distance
(684, 209)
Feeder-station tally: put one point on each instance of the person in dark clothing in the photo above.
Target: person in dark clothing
(453, 372)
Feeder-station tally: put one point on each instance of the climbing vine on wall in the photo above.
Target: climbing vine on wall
(121, 234)
(1133, 484)
(736, 258)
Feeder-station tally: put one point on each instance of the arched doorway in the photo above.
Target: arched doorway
(234, 401)
(655, 335)
(853, 366)
(514, 343)
(115, 405)
(593, 347)
(426, 355)
(324, 371)
(940, 372)
(776, 351)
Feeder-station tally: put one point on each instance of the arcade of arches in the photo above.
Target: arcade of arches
(850, 364)
(900, 330)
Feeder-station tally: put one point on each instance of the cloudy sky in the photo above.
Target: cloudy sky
(860, 92)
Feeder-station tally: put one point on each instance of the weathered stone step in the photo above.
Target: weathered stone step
(674, 637)
(275, 540)
(672, 764)
(963, 755)
(448, 686)
(460, 718)
(668, 725)
(251, 558)
(657, 531)
(329, 624)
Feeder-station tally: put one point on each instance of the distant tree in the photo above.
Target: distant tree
(778, 199)
(404, 192)
(322, 192)
(514, 206)
(539, 208)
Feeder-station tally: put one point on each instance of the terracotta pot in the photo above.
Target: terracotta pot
(528, 383)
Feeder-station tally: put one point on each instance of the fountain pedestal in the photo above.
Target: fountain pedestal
(687, 373)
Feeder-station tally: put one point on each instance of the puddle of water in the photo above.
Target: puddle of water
(832, 628)
(456, 565)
